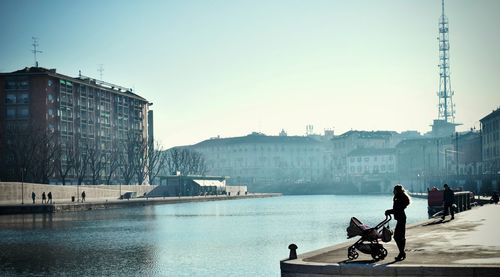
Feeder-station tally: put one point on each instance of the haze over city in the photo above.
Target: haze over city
(230, 68)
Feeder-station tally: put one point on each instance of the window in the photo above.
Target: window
(10, 85)
(23, 98)
(10, 98)
(11, 112)
(23, 112)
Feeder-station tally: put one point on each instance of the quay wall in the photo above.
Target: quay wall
(99, 204)
(11, 192)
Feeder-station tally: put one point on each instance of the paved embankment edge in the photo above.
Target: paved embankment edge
(302, 266)
(115, 204)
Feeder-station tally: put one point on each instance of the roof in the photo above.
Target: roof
(367, 134)
(491, 115)
(209, 183)
(86, 81)
(257, 138)
(372, 151)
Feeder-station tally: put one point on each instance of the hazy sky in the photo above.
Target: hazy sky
(232, 67)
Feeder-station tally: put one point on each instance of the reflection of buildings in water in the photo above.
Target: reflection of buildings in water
(96, 243)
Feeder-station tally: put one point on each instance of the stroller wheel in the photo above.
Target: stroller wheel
(352, 254)
(383, 253)
(379, 253)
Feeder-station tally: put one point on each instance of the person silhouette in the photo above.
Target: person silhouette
(400, 201)
(49, 196)
(448, 201)
(33, 196)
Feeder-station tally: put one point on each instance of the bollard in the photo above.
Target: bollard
(293, 251)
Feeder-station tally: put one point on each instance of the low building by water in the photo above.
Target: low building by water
(189, 185)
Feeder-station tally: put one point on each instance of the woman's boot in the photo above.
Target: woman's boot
(401, 246)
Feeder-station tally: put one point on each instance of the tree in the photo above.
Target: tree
(185, 161)
(80, 164)
(30, 152)
(96, 161)
(113, 163)
(156, 161)
(127, 160)
(66, 161)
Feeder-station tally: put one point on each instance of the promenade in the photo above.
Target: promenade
(113, 203)
(466, 246)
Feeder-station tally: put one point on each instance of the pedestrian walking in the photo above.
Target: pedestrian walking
(49, 195)
(44, 198)
(83, 196)
(401, 200)
(448, 201)
(33, 196)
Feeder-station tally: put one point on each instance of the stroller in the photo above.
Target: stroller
(369, 241)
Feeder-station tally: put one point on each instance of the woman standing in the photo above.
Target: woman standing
(400, 201)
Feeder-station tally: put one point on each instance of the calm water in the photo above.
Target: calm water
(224, 238)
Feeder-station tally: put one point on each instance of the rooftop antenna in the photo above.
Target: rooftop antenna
(100, 69)
(34, 51)
(445, 94)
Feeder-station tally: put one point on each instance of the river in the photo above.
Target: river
(245, 237)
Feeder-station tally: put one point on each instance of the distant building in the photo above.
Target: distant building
(372, 168)
(345, 143)
(189, 185)
(80, 114)
(469, 154)
(490, 129)
(262, 159)
(423, 161)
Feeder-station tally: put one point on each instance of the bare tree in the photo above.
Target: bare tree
(156, 161)
(141, 160)
(127, 166)
(113, 163)
(96, 161)
(66, 161)
(186, 161)
(45, 154)
(30, 152)
(81, 164)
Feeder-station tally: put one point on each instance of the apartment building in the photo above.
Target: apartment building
(79, 114)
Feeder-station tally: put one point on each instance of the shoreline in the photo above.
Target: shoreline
(100, 204)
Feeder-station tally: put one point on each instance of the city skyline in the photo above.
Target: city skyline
(228, 69)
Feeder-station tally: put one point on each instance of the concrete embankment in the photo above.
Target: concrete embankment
(466, 246)
(13, 192)
(96, 204)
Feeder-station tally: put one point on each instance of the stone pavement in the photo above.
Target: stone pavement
(466, 246)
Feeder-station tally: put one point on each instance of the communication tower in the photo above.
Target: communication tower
(445, 123)
(445, 94)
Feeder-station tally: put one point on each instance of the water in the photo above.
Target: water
(224, 238)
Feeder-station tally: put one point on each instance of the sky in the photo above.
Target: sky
(229, 68)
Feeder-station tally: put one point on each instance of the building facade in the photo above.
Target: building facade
(373, 169)
(262, 159)
(490, 129)
(78, 116)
